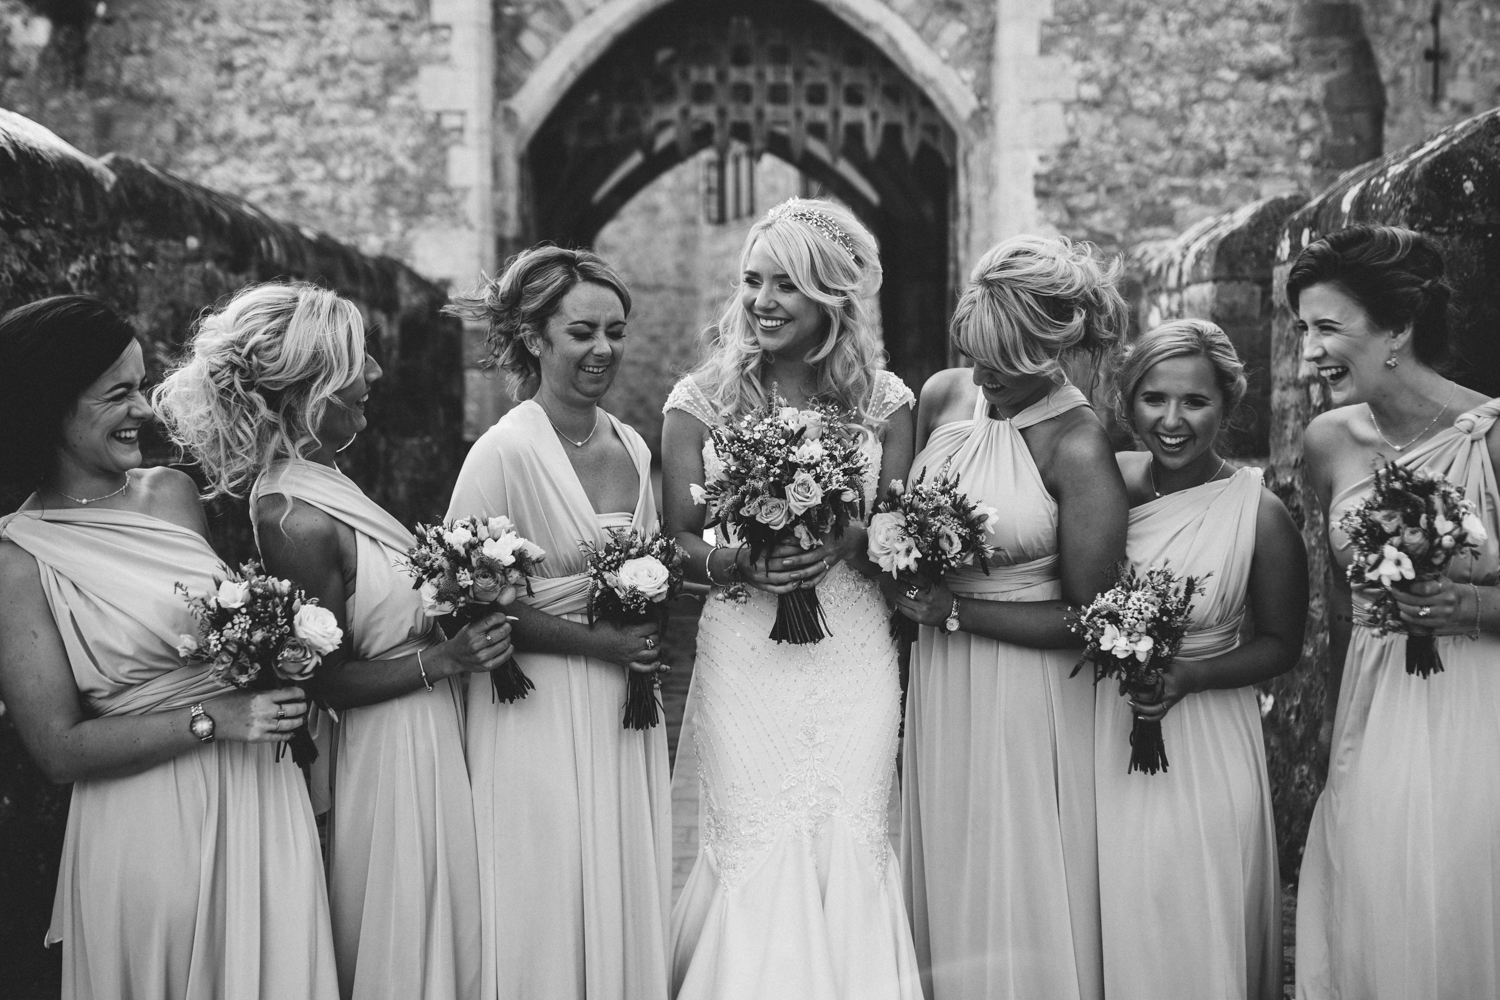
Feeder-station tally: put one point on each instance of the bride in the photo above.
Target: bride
(795, 891)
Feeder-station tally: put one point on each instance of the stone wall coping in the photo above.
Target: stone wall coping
(1234, 246)
(1446, 183)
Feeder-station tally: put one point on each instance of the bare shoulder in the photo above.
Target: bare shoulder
(18, 568)
(945, 387)
(1133, 466)
(1077, 436)
(1272, 515)
(297, 521)
(171, 495)
(1327, 432)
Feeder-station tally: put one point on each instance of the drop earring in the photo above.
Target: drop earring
(1391, 361)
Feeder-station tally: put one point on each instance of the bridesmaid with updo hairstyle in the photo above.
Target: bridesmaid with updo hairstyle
(1400, 884)
(190, 865)
(1188, 883)
(271, 387)
(573, 809)
(998, 842)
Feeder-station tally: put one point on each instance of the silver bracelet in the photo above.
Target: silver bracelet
(1477, 611)
(425, 682)
(708, 565)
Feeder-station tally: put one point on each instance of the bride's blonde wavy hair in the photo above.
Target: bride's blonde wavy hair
(833, 260)
(257, 377)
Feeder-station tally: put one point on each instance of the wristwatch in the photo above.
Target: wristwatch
(952, 623)
(202, 724)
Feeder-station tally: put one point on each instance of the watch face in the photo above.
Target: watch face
(202, 727)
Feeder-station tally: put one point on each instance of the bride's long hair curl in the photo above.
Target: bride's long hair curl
(257, 377)
(833, 260)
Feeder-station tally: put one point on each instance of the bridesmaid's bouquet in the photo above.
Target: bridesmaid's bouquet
(259, 632)
(1130, 632)
(630, 578)
(462, 567)
(920, 532)
(787, 474)
(1411, 526)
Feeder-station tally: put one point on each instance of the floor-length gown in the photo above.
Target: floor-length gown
(998, 842)
(403, 865)
(795, 892)
(572, 809)
(1400, 887)
(198, 878)
(1188, 888)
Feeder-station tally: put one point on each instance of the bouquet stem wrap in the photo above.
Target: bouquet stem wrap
(1148, 751)
(1421, 654)
(643, 707)
(799, 617)
(508, 682)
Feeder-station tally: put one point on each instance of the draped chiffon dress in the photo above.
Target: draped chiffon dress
(998, 842)
(403, 862)
(572, 809)
(1188, 885)
(795, 892)
(1400, 888)
(198, 878)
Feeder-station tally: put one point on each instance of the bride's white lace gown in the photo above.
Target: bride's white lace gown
(796, 892)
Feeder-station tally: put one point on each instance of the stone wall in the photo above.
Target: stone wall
(160, 250)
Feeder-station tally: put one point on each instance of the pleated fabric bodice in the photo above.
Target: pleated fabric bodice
(199, 877)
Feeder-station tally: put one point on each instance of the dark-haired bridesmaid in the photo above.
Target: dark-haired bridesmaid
(1400, 886)
(190, 865)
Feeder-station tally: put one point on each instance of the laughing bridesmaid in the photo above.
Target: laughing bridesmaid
(1188, 888)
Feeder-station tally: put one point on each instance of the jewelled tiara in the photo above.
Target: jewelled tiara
(823, 223)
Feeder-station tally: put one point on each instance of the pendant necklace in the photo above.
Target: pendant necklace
(82, 502)
(576, 444)
(1151, 472)
(1401, 447)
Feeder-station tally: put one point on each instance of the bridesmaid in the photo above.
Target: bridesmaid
(573, 810)
(1188, 883)
(998, 843)
(190, 865)
(272, 387)
(1400, 883)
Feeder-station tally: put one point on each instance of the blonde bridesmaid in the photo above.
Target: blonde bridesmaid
(272, 387)
(573, 809)
(190, 864)
(998, 846)
(1189, 893)
(1400, 886)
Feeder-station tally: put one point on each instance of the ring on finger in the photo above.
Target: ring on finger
(650, 642)
(911, 593)
(279, 714)
(1424, 612)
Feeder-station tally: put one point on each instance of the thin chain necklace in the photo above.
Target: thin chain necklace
(576, 444)
(85, 503)
(1151, 472)
(1401, 447)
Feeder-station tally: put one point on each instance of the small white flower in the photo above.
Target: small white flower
(187, 645)
(1394, 565)
(430, 603)
(1475, 528)
(698, 493)
(503, 549)
(808, 452)
(1442, 525)
(458, 539)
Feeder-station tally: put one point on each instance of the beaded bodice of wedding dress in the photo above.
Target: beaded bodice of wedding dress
(792, 738)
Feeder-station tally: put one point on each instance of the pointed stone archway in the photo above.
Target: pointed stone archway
(703, 73)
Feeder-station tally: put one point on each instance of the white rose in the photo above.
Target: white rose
(503, 549)
(698, 493)
(499, 525)
(187, 645)
(458, 538)
(788, 414)
(233, 594)
(812, 423)
(885, 532)
(317, 627)
(646, 574)
(430, 603)
(808, 452)
(803, 493)
(1475, 528)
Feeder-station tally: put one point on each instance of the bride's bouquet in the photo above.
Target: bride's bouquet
(260, 632)
(1411, 526)
(630, 577)
(787, 474)
(462, 567)
(1131, 632)
(920, 532)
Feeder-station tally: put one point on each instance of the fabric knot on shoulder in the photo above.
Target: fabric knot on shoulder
(1478, 421)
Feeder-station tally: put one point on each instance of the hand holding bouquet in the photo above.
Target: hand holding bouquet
(1411, 526)
(920, 532)
(465, 565)
(788, 475)
(261, 633)
(630, 577)
(1131, 632)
